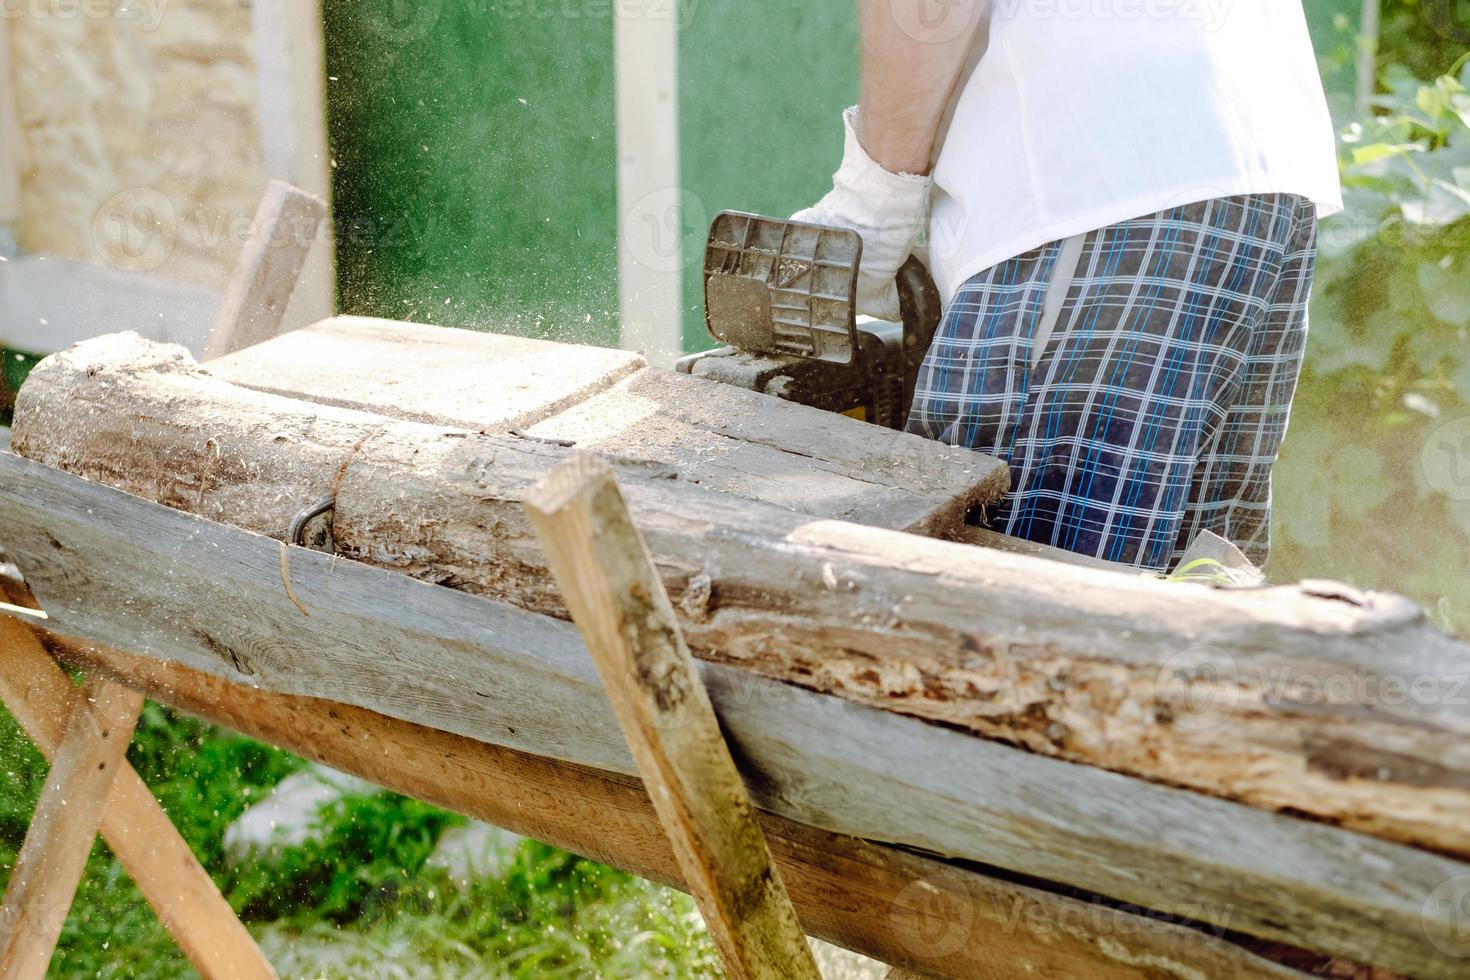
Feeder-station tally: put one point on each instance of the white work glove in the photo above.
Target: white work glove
(888, 210)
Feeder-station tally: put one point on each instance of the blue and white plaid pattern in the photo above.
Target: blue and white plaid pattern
(1160, 400)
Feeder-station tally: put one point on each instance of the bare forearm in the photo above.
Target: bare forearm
(911, 65)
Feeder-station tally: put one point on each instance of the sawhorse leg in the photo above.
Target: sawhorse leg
(91, 786)
(68, 815)
(42, 698)
(618, 603)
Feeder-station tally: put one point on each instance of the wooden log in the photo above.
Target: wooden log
(720, 437)
(116, 569)
(54, 856)
(265, 274)
(188, 903)
(894, 905)
(1313, 699)
(627, 621)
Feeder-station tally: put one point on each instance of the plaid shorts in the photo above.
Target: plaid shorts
(1156, 405)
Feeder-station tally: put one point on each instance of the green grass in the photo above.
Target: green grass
(359, 900)
(552, 916)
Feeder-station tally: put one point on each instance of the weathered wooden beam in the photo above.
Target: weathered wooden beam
(627, 622)
(68, 815)
(119, 570)
(188, 903)
(270, 262)
(1313, 699)
(723, 438)
(891, 904)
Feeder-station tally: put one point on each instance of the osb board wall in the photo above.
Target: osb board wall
(142, 137)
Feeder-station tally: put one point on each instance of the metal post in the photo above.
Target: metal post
(650, 200)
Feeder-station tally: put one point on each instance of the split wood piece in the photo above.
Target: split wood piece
(254, 304)
(765, 449)
(119, 570)
(986, 538)
(1312, 699)
(436, 375)
(50, 865)
(188, 903)
(890, 904)
(715, 435)
(624, 615)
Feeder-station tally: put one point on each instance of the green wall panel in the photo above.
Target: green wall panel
(474, 181)
(475, 151)
(763, 84)
(449, 187)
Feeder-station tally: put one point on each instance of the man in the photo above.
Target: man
(1121, 217)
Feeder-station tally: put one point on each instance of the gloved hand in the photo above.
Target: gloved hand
(888, 210)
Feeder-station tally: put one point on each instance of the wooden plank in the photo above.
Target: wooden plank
(54, 856)
(891, 904)
(1311, 699)
(627, 622)
(186, 900)
(422, 373)
(254, 304)
(762, 448)
(651, 200)
(119, 570)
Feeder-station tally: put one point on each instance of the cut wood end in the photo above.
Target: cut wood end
(579, 474)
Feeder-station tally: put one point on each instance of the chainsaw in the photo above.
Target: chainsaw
(782, 296)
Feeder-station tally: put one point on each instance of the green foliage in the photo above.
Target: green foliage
(1425, 36)
(552, 916)
(1388, 365)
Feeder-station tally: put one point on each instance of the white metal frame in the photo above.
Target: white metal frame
(650, 198)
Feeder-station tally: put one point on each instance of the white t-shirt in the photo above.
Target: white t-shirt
(1084, 113)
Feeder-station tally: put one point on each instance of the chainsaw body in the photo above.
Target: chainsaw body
(782, 295)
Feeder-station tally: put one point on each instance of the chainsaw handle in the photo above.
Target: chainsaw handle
(920, 309)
